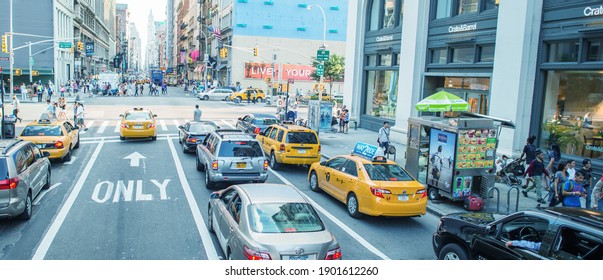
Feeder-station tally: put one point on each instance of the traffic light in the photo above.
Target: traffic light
(18, 72)
(80, 46)
(223, 52)
(35, 73)
(4, 43)
(256, 51)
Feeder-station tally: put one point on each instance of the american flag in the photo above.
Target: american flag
(216, 32)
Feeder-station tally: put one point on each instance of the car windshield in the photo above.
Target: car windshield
(304, 137)
(137, 116)
(240, 149)
(42, 130)
(284, 218)
(386, 172)
(265, 121)
(201, 128)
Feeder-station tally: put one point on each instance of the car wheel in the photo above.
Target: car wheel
(77, 145)
(47, 185)
(210, 220)
(273, 163)
(238, 99)
(205, 97)
(314, 182)
(453, 251)
(183, 148)
(26, 215)
(122, 138)
(208, 183)
(154, 138)
(433, 193)
(259, 100)
(352, 205)
(199, 165)
(67, 157)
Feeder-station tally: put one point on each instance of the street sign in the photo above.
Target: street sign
(4, 58)
(290, 81)
(320, 69)
(65, 45)
(323, 55)
(31, 61)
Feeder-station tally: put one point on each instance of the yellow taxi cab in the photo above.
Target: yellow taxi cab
(138, 123)
(368, 183)
(289, 144)
(255, 94)
(59, 138)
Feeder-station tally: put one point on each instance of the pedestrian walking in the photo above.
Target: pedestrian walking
(587, 181)
(536, 170)
(529, 152)
(383, 138)
(248, 96)
(572, 170)
(79, 112)
(49, 110)
(23, 91)
(573, 190)
(16, 107)
(597, 195)
(62, 111)
(554, 158)
(197, 114)
(346, 120)
(559, 179)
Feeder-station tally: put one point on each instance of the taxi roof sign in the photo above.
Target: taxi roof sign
(368, 151)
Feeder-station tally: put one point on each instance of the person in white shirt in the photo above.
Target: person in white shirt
(571, 171)
(384, 136)
(23, 92)
(16, 107)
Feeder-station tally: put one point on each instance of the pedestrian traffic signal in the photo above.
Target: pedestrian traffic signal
(4, 43)
(256, 51)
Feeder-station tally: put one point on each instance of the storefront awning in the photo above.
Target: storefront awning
(503, 122)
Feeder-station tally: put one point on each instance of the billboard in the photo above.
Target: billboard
(297, 72)
(89, 48)
(260, 70)
(442, 145)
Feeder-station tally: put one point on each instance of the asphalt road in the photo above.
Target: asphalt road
(140, 200)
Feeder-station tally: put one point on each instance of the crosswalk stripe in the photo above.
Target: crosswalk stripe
(228, 124)
(89, 124)
(163, 126)
(101, 129)
(117, 126)
(176, 123)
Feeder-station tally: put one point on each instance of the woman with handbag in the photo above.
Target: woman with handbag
(557, 183)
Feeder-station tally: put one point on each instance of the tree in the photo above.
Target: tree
(334, 69)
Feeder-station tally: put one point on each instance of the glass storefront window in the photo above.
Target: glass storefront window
(462, 55)
(371, 60)
(374, 21)
(486, 53)
(385, 60)
(468, 6)
(439, 56)
(388, 16)
(490, 4)
(563, 51)
(381, 94)
(573, 112)
(443, 8)
(401, 12)
(595, 50)
(472, 83)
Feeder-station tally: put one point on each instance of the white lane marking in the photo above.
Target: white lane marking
(176, 123)
(72, 159)
(43, 193)
(101, 129)
(339, 223)
(208, 245)
(163, 126)
(117, 126)
(89, 124)
(60, 218)
(228, 124)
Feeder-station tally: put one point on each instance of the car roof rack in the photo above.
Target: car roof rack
(223, 132)
(17, 141)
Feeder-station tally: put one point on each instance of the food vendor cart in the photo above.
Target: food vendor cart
(454, 157)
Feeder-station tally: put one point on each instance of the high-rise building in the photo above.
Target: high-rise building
(135, 50)
(169, 37)
(151, 51)
(160, 39)
(122, 35)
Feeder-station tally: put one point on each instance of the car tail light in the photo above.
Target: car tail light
(422, 192)
(380, 192)
(214, 165)
(151, 125)
(191, 140)
(256, 130)
(319, 148)
(125, 125)
(265, 165)
(9, 184)
(59, 144)
(255, 255)
(334, 254)
(282, 148)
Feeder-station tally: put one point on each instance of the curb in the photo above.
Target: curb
(429, 209)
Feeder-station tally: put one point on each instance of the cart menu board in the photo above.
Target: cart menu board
(475, 148)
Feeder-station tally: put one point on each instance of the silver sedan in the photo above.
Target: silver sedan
(269, 222)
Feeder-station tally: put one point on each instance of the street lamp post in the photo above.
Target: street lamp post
(324, 42)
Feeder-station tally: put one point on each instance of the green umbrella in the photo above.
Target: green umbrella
(442, 102)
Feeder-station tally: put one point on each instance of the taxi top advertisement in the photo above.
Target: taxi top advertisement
(476, 148)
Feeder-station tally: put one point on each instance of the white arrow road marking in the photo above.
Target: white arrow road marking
(208, 245)
(71, 160)
(134, 159)
(101, 129)
(43, 193)
(163, 126)
(52, 231)
(343, 226)
(228, 124)
(117, 126)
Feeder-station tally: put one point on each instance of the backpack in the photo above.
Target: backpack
(562, 197)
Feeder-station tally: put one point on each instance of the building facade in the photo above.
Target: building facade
(122, 35)
(135, 50)
(536, 63)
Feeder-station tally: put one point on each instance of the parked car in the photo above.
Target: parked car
(215, 94)
(192, 133)
(255, 123)
(25, 171)
(231, 155)
(561, 233)
(269, 222)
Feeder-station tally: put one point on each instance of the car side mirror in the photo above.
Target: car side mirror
(154, 116)
(46, 154)
(490, 230)
(181, 126)
(240, 119)
(121, 115)
(214, 195)
(218, 127)
(323, 163)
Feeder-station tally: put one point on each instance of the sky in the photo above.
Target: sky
(139, 14)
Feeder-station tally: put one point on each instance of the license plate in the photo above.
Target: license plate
(301, 151)
(241, 165)
(41, 146)
(298, 258)
(402, 197)
(138, 126)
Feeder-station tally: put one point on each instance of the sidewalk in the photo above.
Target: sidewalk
(334, 144)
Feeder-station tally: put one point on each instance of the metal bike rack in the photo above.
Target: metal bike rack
(509, 199)
(497, 197)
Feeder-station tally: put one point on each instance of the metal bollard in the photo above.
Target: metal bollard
(355, 125)
(509, 199)
(491, 190)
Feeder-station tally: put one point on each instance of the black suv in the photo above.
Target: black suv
(563, 233)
